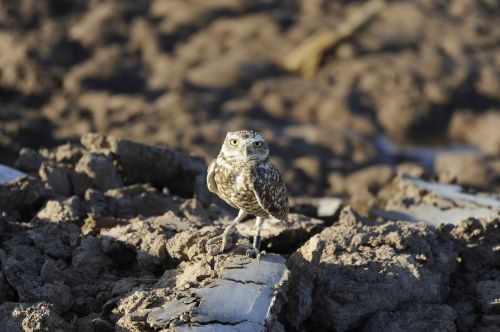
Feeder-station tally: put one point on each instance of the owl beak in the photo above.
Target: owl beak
(249, 150)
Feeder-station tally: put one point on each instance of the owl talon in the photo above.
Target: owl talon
(251, 253)
(209, 249)
(225, 237)
(255, 253)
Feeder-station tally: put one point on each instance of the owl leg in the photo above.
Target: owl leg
(255, 251)
(227, 233)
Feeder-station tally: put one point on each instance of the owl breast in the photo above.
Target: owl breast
(235, 186)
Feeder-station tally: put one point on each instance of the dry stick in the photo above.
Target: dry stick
(307, 56)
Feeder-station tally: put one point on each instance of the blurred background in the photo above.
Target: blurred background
(401, 85)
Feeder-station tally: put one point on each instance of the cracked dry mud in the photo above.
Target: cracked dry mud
(128, 254)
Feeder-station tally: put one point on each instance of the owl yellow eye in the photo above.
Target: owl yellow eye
(257, 144)
(234, 142)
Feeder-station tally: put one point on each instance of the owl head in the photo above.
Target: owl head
(245, 145)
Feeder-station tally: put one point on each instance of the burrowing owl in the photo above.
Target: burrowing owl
(244, 177)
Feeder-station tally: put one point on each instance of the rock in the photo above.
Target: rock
(429, 317)
(172, 221)
(137, 301)
(186, 245)
(56, 178)
(70, 210)
(303, 266)
(55, 292)
(68, 153)
(252, 284)
(50, 272)
(31, 317)
(489, 295)
(9, 227)
(56, 240)
(8, 174)
(80, 183)
(146, 238)
(29, 160)
(282, 237)
(157, 165)
(21, 268)
(89, 258)
(193, 273)
(101, 171)
(129, 202)
(23, 194)
(474, 290)
(359, 270)
(247, 294)
(413, 199)
(4, 288)
(95, 223)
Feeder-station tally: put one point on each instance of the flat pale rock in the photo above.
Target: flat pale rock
(240, 327)
(437, 203)
(243, 298)
(231, 302)
(8, 174)
(322, 207)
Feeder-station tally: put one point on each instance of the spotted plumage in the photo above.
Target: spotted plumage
(244, 177)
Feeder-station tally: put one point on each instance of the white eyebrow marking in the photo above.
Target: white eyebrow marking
(256, 138)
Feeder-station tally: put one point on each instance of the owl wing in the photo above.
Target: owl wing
(270, 190)
(211, 184)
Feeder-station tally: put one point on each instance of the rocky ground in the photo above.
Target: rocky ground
(91, 241)
(390, 151)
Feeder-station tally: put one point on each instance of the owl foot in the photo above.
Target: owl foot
(224, 245)
(214, 251)
(224, 237)
(255, 253)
